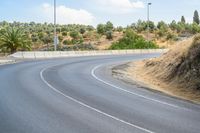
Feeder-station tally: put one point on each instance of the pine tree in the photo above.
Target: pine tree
(183, 19)
(196, 17)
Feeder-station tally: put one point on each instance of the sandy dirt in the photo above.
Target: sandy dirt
(104, 43)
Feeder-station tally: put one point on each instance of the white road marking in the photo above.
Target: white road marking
(89, 107)
(119, 88)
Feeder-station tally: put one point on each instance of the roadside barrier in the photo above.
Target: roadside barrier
(59, 54)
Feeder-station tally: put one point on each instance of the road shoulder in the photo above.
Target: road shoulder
(4, 61)
(132, 73)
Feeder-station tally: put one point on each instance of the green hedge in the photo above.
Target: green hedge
(132, 41)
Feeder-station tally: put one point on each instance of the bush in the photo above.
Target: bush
(119, 29)
(101, 29)
(132, 41)
(195, 28)
(171, 36)
(109, 26)
(67, 42)
(82, 30)
(64, 33)
(104, 28)
(83, 47)
(109, 35)
(74, 34)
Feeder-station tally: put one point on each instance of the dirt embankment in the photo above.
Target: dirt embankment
(176, 73)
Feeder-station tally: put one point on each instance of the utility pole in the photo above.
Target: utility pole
(148, 6)
(55, 33)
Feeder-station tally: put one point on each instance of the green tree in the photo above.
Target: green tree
(183, 19)
(195, 28)
(64, 33)
(162, 24)
(131, 40)
(109, 26)
(180, 27)
(173, 25)
(41, 35)
(14, 39)
(47, 39)
(119, 29)
(140, 26)
(151, 25)
(196, 17)
(109, 35)
(34, 38)
(82, 30)
(101, 29)
(90, 28)
(77, 38)
(74, 34)
(162, 28)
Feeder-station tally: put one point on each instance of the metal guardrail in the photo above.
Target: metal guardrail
(57, 54)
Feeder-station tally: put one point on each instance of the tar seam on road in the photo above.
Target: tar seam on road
(89, 107)
(119, 88)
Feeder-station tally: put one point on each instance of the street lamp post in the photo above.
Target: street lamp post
(148, 6)
(55, 34)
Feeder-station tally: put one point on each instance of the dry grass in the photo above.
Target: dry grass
(176, 73)
(104, 43)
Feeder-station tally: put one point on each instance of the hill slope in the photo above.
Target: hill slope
(177, 72)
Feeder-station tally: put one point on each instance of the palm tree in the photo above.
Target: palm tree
(13, 39)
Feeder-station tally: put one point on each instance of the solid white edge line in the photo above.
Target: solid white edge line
(89, 107)
(119, 88)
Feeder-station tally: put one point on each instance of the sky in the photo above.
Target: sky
(93, 12)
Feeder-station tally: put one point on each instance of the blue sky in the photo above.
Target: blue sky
(120, 12)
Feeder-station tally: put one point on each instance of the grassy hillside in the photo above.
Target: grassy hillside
(104, 36)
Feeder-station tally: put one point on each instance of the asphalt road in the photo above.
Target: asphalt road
(79, 95)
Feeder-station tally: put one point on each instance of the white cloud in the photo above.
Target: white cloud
(67, 15)
(138, 4)
(122, 6)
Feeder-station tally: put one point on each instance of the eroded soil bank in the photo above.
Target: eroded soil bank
(176, 73)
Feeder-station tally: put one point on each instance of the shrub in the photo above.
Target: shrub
(109, 26)
(82, 30)
(119, 29)
(101, 29)
(74, 34)
(109, 35)
(60, 38)
(132, 41)
(84, 47)
(13, 39)
(64, 33)
(67, 42)
(171, 36)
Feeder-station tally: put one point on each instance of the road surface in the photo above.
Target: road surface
(79, 95)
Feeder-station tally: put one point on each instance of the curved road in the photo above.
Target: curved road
(79, 95)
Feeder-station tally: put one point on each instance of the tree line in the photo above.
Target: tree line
(73, 36)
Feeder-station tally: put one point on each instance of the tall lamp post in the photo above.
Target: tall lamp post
(148, 6)
(55, 34)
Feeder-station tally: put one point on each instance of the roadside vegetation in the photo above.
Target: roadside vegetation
(104, 36)
(179, 66)
(176, 72)
(13, 39)
(132, 40)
